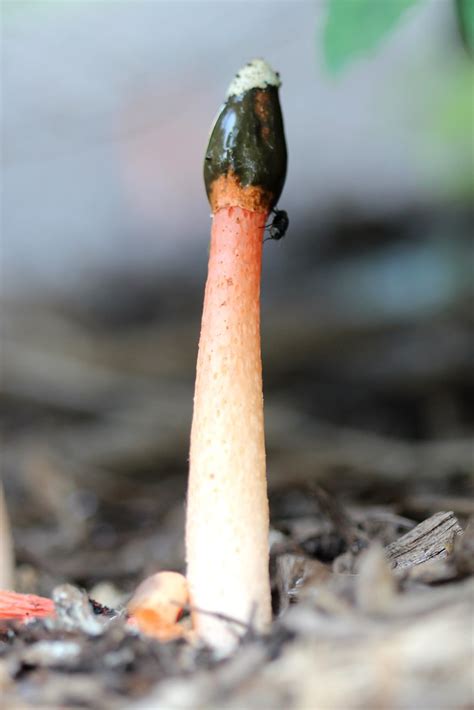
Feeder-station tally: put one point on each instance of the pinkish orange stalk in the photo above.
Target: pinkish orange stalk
(24, 606)
(227, 548)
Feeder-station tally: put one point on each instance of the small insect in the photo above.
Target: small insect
(278, 226)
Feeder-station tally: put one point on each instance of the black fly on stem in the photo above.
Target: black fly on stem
(278, 226)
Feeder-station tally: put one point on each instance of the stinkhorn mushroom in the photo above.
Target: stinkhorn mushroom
(227, 523)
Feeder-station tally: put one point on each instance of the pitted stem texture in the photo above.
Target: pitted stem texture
(227, 516)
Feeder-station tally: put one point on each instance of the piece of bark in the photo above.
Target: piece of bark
(430, 540)
(458, 564)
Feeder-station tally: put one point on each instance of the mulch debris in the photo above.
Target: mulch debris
(390, 621)
(372, 547)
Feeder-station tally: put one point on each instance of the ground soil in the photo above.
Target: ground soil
(369, 484)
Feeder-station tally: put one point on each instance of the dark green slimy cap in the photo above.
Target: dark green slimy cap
(247, 141)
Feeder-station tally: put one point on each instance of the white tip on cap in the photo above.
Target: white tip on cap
(257, 74)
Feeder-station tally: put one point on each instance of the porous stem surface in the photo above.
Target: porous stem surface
(227, 516)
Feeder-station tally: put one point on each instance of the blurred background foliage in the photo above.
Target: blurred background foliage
(367, 302)
(465, 10)
(355, 28)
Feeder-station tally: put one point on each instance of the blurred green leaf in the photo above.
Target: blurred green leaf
(465, 10)
(355, 27)
(452, 119)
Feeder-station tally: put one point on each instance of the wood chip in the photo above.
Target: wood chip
(431, 539)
